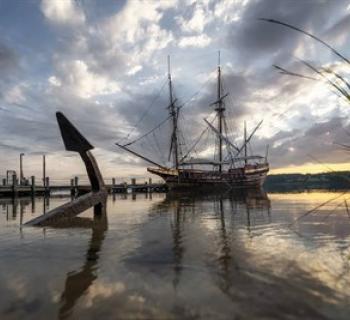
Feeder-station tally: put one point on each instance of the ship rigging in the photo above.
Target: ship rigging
(232, 170)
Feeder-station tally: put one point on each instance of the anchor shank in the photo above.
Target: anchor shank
(93, 171)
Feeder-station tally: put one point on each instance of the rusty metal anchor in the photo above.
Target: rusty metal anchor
(75, 141)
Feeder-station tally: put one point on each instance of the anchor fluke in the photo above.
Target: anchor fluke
(73, 140)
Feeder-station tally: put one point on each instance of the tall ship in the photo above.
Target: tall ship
(232, 164)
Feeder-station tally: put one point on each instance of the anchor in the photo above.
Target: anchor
(76, 142)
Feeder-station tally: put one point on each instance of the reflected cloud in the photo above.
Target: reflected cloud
(180, 255)
(189, 205)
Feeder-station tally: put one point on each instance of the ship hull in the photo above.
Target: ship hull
(237, 178)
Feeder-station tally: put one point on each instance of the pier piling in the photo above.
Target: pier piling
(33, 185)
(72, 189)
(14, 185)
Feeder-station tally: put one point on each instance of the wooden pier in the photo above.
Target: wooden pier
(30, 188)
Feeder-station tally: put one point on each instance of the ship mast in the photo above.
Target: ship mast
(245, 143)
(220, 111)
(173, 114)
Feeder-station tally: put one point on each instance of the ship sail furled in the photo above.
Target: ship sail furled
(229, 171)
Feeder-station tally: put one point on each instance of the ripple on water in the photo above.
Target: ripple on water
(174, 256)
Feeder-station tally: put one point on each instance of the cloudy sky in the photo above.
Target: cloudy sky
(103, 63)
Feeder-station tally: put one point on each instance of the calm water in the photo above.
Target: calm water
(180, 256)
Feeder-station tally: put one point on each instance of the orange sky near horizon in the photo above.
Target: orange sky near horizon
(312, 168)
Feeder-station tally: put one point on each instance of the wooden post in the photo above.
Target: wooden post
(21, 176)
(14, 185)
(133, 185)
(113, 186)
(149, 185)
(72, 192)
(47, 185)
(76, 185)
(44, 170)
(33, 186)
(125, 187)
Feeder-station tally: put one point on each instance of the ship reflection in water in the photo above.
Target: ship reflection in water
(221, 256)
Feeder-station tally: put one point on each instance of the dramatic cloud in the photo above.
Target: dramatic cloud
(104, 66)
(200, 41)
(64, 12)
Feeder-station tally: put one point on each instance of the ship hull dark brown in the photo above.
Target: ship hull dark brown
(236, 178)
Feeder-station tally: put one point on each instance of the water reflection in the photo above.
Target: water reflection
(22, 205)
(226, 255)
(78, 282)
(253, 202)
(221, 234)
